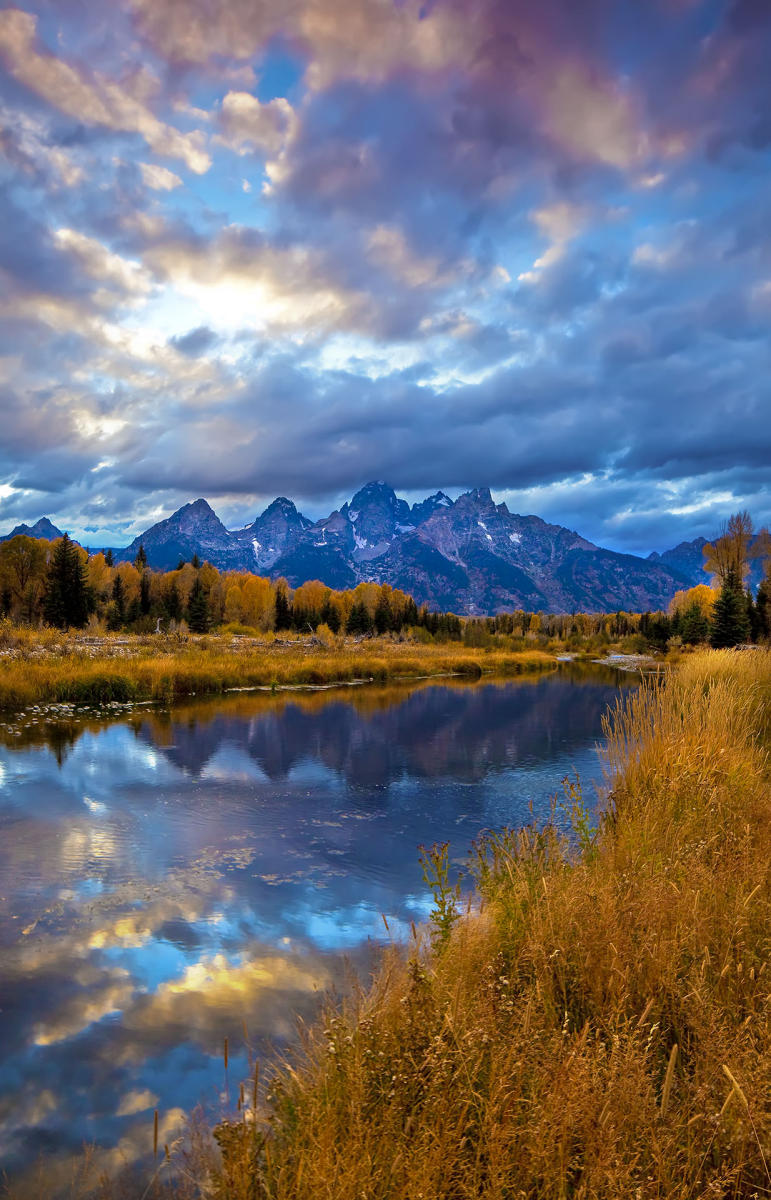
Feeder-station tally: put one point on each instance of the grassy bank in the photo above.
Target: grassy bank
(600, 1029)
(51, 668)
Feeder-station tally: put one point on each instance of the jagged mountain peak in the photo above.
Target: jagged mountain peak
(376, 516)
(282, 504)
(480, 496)
(425, 509)
(469, 555)
(43, 528)
(375, 492)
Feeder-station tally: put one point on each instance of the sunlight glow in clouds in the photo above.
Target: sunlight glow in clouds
(249, 250)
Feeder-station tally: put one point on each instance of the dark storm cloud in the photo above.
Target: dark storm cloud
(522, 245)
(196, 342)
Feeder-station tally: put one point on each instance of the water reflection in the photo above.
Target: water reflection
(168, 877)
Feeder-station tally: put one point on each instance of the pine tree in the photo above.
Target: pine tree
(330, 617)
(108, 558)
(763, 605)
(67, 595)
(383, 619)
(693, 626)
(173, 603)
(195, 562)
(283, 607)
(359, 620)
(140, 562)
(144, 593)
(730, 622)
(118, 615)
(753, 616)
(411, 615)
(198, 608)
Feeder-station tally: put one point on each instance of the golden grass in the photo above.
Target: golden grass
(61, 669)
(602, 1027)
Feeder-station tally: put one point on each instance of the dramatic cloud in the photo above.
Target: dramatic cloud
(282, 248)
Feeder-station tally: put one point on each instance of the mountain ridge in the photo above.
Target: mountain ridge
(43, 528)
(468, 555)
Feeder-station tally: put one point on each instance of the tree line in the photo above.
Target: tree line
(62, 584)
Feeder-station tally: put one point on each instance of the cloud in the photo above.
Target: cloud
(96, 100)
(594, 119)
(247, 124)
(492, 242)
(196, 342)
(160, 179)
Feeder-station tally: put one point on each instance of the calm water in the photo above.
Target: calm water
(167, 880)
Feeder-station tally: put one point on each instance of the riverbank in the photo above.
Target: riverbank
(600, 1028)
(53, 668)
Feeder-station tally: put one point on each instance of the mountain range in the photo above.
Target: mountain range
(469, 556)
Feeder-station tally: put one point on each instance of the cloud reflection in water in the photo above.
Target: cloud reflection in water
(171, 877)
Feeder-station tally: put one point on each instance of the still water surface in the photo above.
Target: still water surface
(170, 879)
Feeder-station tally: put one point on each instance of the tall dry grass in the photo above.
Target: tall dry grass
(602, 1027)
(63, 668)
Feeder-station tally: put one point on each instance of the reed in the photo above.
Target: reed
(67, 669)
(581, 1034)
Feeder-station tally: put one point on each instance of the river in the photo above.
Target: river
(170, 879)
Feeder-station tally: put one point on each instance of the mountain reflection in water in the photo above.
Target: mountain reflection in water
(168, 879)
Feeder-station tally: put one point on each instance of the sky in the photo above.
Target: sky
(283, 248)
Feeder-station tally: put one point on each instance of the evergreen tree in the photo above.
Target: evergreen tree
(330, 617)
(173, 603)
(180, 564)
(383, 619)
(283, 607)
(659, 630)
(411, 615)
(195, 562)
(753, 616)
(763, 606)
(730, 622)
(198, 608)
(359, 620)
(693, 625)
(140, 562)
(144, 593)
(108, 558)
(67, 594)
(119, 603)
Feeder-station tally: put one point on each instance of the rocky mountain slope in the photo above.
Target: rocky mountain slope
(41, 529)
(467, 556)
(193, 529)
(687, 558)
